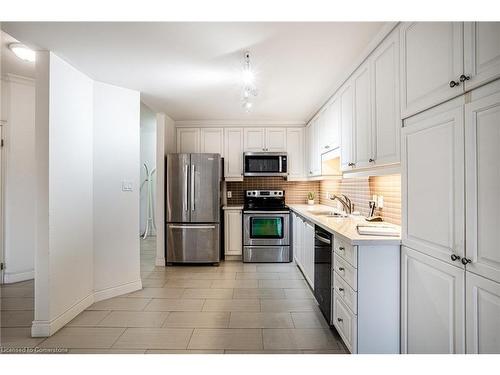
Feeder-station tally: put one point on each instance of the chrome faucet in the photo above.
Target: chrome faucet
(346, 202)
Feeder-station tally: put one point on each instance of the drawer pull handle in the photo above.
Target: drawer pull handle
(341, 289)
(341, 268)
(340, 320)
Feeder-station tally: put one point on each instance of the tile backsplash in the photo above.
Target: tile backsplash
(295, 191)
(361, 189)
(358, 189)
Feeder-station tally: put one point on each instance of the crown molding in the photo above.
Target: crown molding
(14, 78)
(236, 123)
(374, 43)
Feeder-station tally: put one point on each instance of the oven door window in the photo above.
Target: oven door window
(266, 227)
(263, 164)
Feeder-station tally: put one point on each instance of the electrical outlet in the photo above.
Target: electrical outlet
(229, 194)
(380, 202)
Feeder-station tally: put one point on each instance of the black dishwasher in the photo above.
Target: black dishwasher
(323, 270)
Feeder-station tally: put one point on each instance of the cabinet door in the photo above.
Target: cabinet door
(432, 305)
(483, 315)
(310, 148)
(275, 139)
(233, 232)
(295, 151)
(188, 140)
(316, 166)
(433, 184)
(346, 127)
(255, 140)
(385, 93)
(212, 141)
(233, 154)
(482, 52)
(309, 253)
(333, 134)
(431, 57)
(362, 117)
(482, 153)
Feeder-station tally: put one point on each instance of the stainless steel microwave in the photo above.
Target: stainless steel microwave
(265, 164)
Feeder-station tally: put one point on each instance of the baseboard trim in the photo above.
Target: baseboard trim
(117, 290)
(160, 262)
(45, 328)
(17, 277)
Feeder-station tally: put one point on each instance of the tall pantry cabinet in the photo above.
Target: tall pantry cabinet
(451, 261)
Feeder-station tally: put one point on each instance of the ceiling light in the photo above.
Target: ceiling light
(249, 88)
(23, 52)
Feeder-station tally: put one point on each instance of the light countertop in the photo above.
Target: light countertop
(232, 207)
(343, 227)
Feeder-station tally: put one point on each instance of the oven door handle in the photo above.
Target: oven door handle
(266, 212)
(323, 239)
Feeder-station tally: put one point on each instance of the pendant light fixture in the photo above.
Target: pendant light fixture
(249, 88)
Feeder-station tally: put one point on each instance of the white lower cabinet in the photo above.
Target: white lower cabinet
(233, 227)
(432, 305)
(345, 321)
(483, 315)
(303, 247)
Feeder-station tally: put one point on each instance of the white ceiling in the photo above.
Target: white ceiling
(11, 64)
(192, 71)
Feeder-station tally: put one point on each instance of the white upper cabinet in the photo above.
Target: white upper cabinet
(233, 153)
(255, 139)
(431, 62)
(346, 127)
(386, 109)
(295, 150)
(276, 139)
(329, 130)
(483, 315)
(188, 140)
(482, 53)
(363, 155)
(212, 141)
(482, 153)
(265, 139)
(433, 183)
(432, 305)
(314, 156)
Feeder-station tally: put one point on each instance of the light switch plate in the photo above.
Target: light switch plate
(127, 186)
(229, 194)
(380, 203)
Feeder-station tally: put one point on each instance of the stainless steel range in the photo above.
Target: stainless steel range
(266, 227)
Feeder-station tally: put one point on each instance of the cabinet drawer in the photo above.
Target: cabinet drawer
(345, 322)
(346, 251)
(349, 296)
(347, 272)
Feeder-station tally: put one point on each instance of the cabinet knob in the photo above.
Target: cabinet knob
(341, 268)
(327, 147)
(454, 257)
(351, 164)
(341, 248)
(371, 160)
(465, 261)
(340, 320)
(341, 289)
(454, 83)
(464, 78)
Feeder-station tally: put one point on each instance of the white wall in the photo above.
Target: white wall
(165, 136)
(18, 108)
(116, 212)
(64, 137)
(87, 144)
(148, 156)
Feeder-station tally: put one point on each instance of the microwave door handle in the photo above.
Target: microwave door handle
(281, 165)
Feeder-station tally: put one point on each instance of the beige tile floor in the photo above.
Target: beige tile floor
(233, 308)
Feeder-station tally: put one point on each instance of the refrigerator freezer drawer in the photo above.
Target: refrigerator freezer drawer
(267, 254)
(193, 243)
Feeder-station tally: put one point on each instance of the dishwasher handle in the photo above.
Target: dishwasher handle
(323, 239)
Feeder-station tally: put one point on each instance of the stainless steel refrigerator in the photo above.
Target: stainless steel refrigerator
(192, 198)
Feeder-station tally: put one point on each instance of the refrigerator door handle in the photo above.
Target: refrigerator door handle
(193, 174)
(192, 226)
(186, 167)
